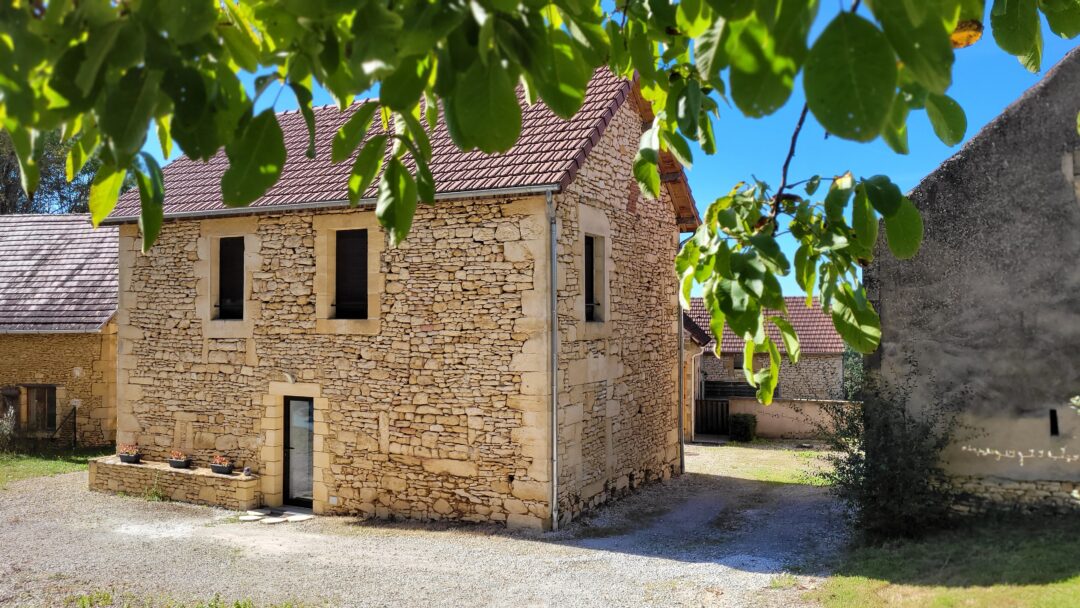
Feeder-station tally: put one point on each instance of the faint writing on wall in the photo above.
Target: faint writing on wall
(1060, 455)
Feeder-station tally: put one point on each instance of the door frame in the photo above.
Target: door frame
(286, 456)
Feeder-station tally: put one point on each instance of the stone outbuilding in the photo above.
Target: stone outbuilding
(58, 280)
(514, 361)
(721, 388)
(986, 317)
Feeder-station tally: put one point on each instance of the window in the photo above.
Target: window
(594, 278)
(350, 275)
(738, 362)
(231, 278)
(41, 408)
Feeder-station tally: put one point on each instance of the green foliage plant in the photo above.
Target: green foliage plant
(743, 427)
(109, 75)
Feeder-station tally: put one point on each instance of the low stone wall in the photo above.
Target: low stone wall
(198, 485)
(784, 418)
(990, 494)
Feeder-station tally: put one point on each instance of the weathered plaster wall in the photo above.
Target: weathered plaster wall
(813, 377)
(83, 369)
(987, 315)
(617, 378)
(433, 409)
(785, 418)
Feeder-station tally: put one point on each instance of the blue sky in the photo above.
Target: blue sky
(985, 81)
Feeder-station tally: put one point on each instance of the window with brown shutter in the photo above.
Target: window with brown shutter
(231, 278)
(41, 408)
(351, 273)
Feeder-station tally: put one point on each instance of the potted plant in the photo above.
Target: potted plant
(179, 460)
(221, 465)
(129, 453)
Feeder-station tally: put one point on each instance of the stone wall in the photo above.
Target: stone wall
(786, 418)
(813, 377)
(985, 494)
(617, 378)
(198, 485)
(434, 408)
(82, 367)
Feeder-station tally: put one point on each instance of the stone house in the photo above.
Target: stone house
(57, 335)
(515, 360)
(986, 317)
(721, 387)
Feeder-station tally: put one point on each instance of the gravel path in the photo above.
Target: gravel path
(704, 539)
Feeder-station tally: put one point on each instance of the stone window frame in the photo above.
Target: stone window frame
(594, 222)
(326, 227)
(272, 443)
(211, 231)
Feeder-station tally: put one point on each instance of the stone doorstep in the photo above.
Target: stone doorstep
(164, 467)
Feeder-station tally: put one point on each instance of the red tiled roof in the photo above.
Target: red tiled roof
(57, 273)
(549, 152)
(697, 334)
(817, 336)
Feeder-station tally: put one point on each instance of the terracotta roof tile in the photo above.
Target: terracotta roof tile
(57, 273)
(817, 336)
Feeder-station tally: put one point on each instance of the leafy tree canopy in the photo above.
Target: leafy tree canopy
(104, 71)
(57, 192)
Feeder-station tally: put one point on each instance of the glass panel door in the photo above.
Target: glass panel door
(299, 434)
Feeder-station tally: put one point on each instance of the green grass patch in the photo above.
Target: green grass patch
(14, 466)
(990, 563)
(107, 599)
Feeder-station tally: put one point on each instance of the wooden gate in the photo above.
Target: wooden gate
(711, 417)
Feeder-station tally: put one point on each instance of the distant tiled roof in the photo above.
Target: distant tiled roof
(817, 336)
(57, 273)
(697, 334)
(549, 153)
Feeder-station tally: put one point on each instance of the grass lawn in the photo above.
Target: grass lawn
(992, 563)
(776, 461)
(14, 467)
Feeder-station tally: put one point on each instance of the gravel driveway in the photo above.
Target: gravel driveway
(713, 537)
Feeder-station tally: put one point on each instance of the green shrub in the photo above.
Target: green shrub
(743, 427)
(886, 462)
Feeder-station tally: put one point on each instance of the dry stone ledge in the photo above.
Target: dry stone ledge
(198, 485)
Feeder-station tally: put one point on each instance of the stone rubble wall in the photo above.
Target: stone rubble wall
(813, 377)
(82, 366)
(987, 494)
(617, 378)
(198, 485)
(434, 410)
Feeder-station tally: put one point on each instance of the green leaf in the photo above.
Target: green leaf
(367, 166)
(947, 118)
(129, 107)
(1063, 16)
(790, 338)
(562, 77)
(895, 131)
(748, 363)
(402, 89)
(303, 100)
(678, 148)
(256, 159)
(812, 185)
(904, 230)
(922, 44)
(164, 138)
(25, 141)
(837, 198)
(689, 109)
(859, 326)
(864, 221)
(765, 55)
(485, 109)
(397, 201)
(646, 162)
(104, 191)
(98, 46)
(850, 78)
(768, 379)
(1016, 30)
(82, 150)
(716, 317)
(187, 21)
(884, 195)
(709, 54)
(151, 200)
(349, 136)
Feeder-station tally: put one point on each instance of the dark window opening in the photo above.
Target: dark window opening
(738, 363)
(594, 278)
(231, 278)
(1054, 430)
(719, 389)
(41, 408)
(351, 273)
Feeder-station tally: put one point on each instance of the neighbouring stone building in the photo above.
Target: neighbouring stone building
(57, 339)
(721, 388)
(427, 381)
(987, 316)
